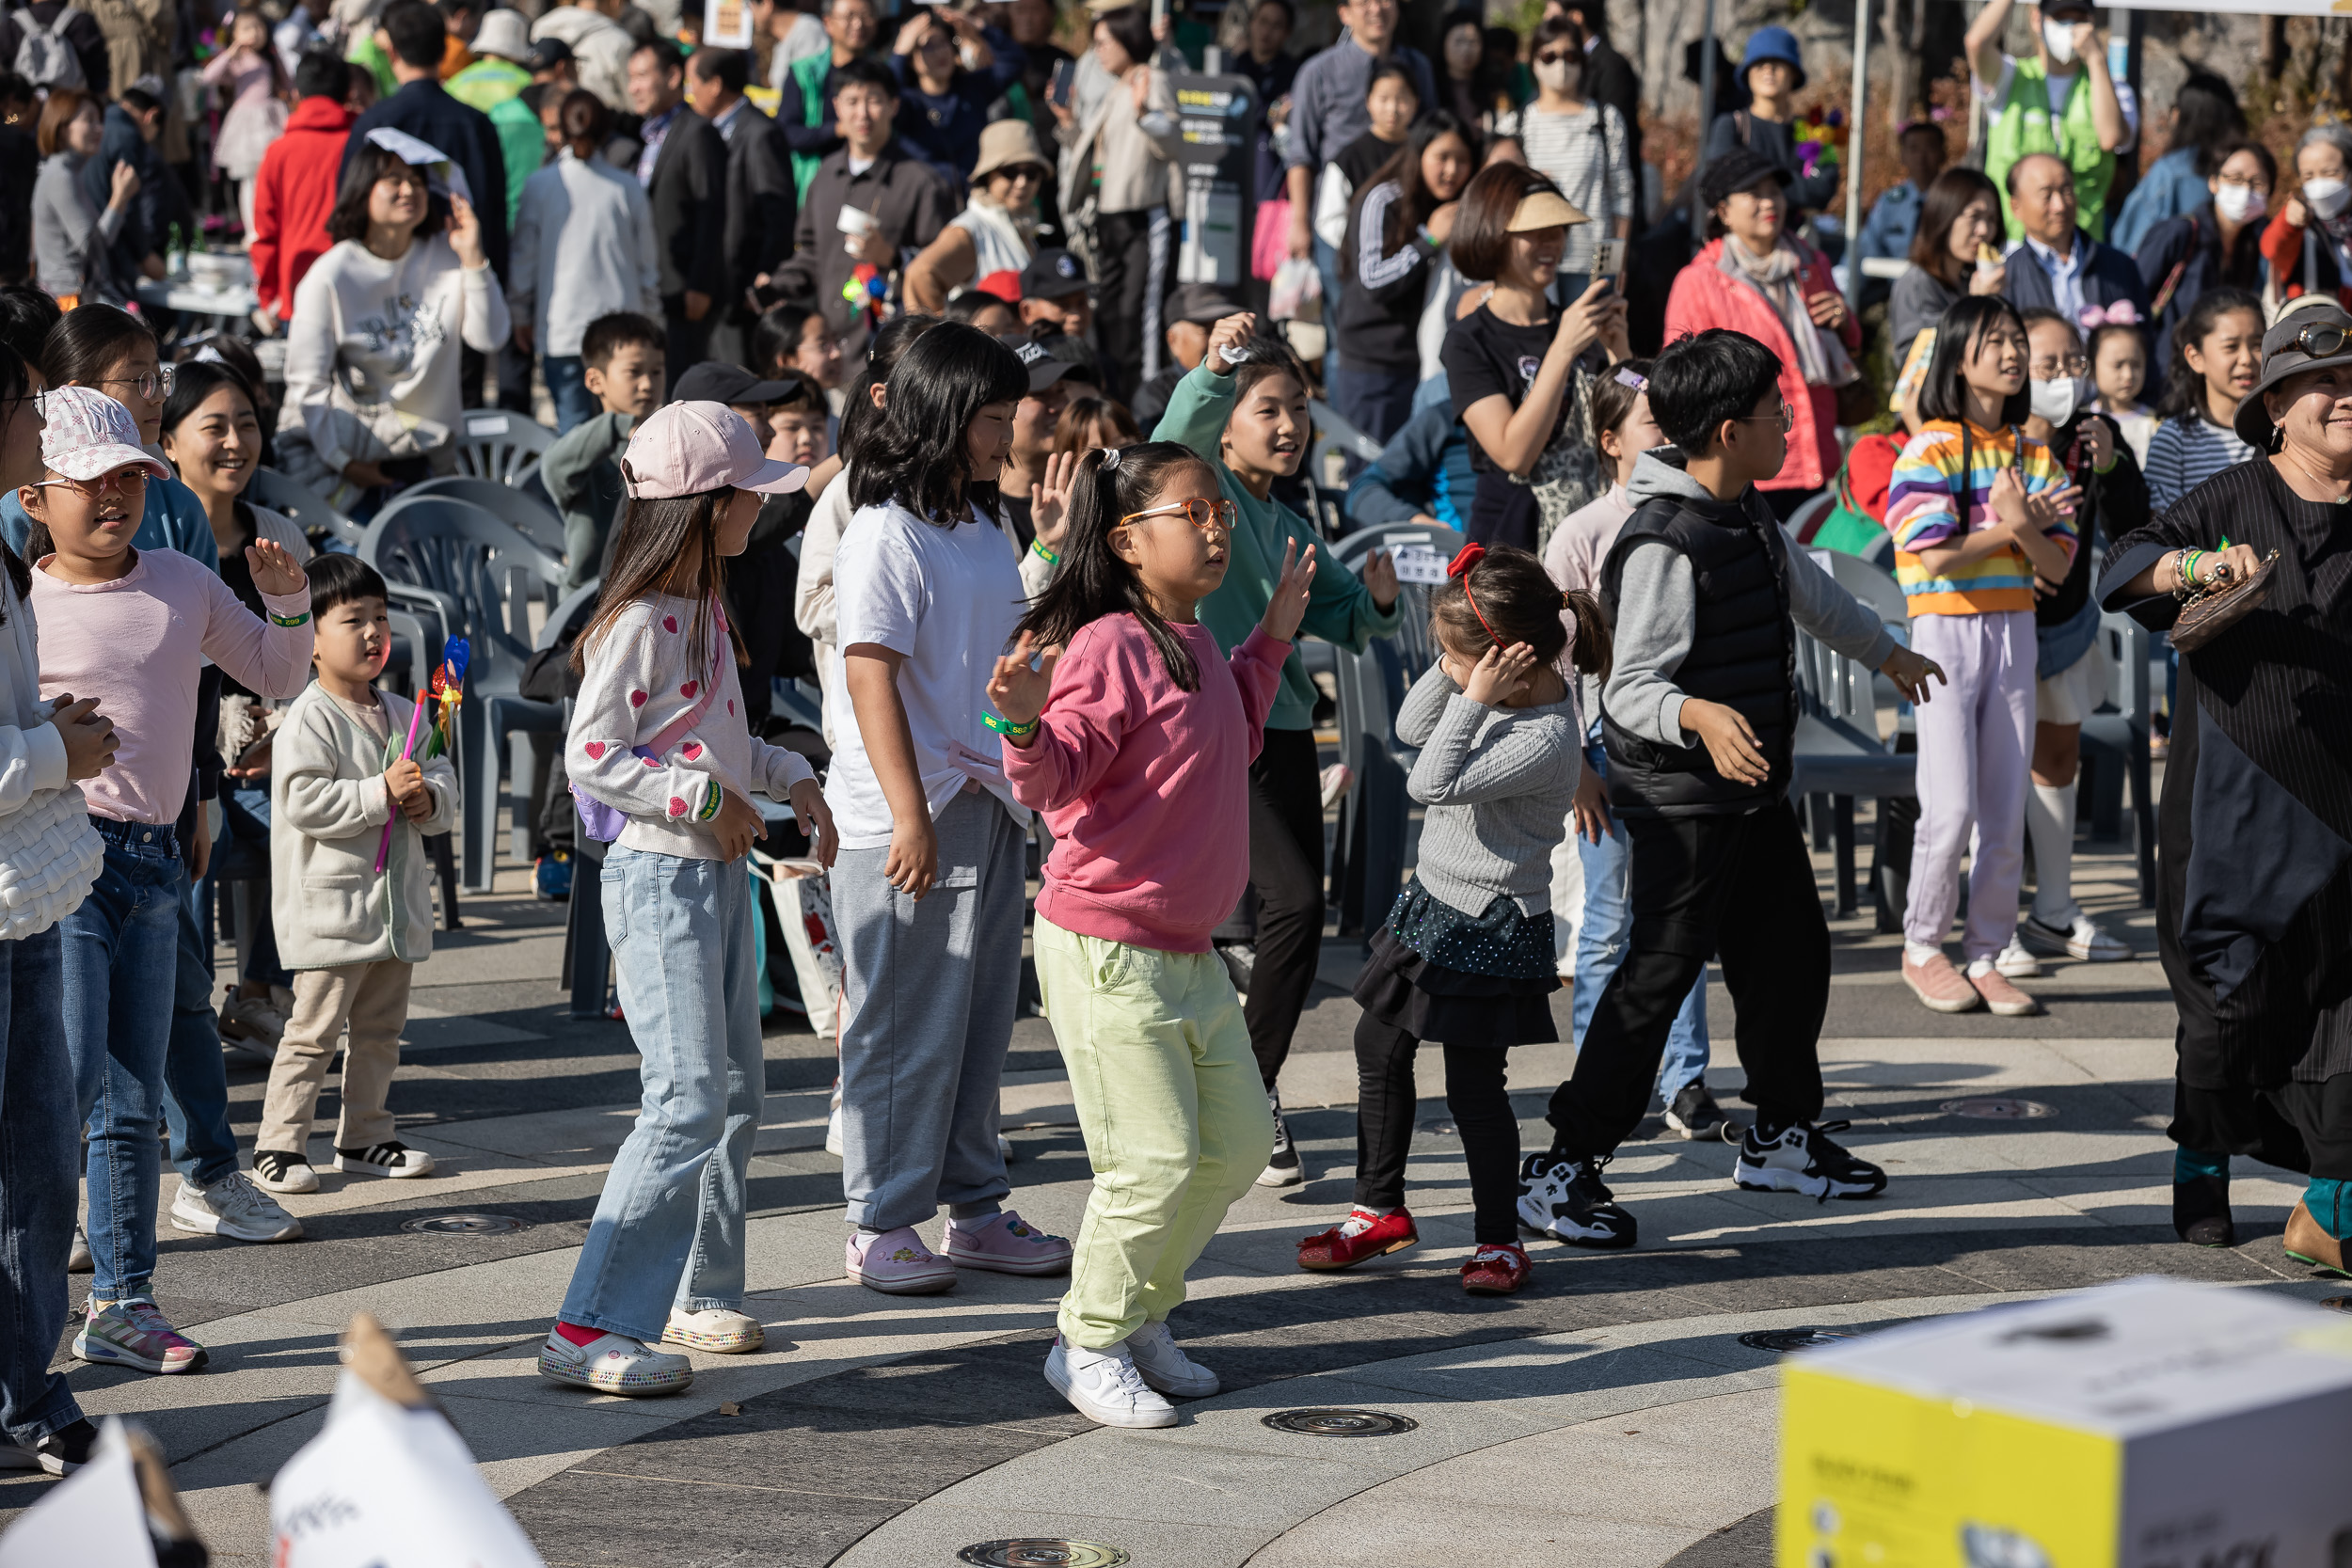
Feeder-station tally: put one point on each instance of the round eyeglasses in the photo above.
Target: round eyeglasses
(1206, 514)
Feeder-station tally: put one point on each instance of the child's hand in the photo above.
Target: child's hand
(2008, 498)
(2045, 511)
(1379, 579)
(2098, 439)
(1020, 691)
(405, 782)
(89, 736)
(274, 570)
(1589, 811)
(1731, 745)
(815, 819)
(1049, 500)
(1909, 671)
(1500, 675)
(738, 825)
(1234, 333)
(913, 856)
(1288, 606)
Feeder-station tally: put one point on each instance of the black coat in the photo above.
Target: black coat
(1610, 78)
(160, 204)
(433, 116)
(689, 195)
(761, 204)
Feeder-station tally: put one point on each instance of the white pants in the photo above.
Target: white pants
(1976, 748)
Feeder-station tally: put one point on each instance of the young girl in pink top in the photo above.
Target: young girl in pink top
(1133, 735)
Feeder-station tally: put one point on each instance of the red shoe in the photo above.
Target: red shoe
(1496, 1269)
(1328, 1250)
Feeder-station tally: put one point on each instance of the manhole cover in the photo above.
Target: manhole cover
(1341, 1423)
(465, 1225)
(1997, 1110)
(1780, 1341)
(1043, 1553)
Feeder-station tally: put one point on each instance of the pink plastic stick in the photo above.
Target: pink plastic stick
(384, 851)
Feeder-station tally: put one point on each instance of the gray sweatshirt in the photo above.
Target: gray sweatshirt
(1658, 608)
(1498, 782)
(62, 220)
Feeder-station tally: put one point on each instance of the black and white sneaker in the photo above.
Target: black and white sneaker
(1282, 1167)
(1696, 1115)
(1565, 1200)
(393, 1159)
(276, 1172)
(1800, 1158)
(60, 1453)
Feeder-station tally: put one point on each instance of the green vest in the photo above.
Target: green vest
(522, 147)
(809, 73)
(2022, 124)
(487, 82)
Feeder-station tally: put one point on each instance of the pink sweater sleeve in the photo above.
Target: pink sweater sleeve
(263, 656)
(1087, 716)
(1257, 666)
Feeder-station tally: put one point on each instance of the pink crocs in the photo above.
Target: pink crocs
(1008, 1243)
(898, 1263)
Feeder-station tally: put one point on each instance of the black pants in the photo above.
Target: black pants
(1384, 1102)
(1742, 888)
(1135, 275)
(687, 342)
(1286, 872)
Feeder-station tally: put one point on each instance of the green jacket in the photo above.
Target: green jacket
(1339, 607)
(809, 73)
(523, 144)
(487, 82)
(2022, 124)
(364, 51)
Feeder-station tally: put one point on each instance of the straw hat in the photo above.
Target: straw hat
(1007, 144)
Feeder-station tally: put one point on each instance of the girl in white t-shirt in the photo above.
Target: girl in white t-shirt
(931, 881)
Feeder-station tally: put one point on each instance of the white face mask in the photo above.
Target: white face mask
(2055, 401)
(2327, 197)
(2237, 202)
(2058, 38)
(1558, 76)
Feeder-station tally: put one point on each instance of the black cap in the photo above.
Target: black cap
(715, 381)
(1200, 304)
(1053, 274)
(547, 54)
(1044, 366)
(1735, 171)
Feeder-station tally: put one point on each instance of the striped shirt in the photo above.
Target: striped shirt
(1922, 514)
(2185, 452)
(1586, 156)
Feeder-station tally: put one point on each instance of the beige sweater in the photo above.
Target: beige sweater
(328, 805)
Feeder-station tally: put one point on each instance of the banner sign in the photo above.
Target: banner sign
(1220, 117)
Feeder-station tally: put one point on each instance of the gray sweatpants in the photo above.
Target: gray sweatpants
(928, 997)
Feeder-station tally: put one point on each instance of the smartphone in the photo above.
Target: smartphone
(1608, 259)
(1065, 76)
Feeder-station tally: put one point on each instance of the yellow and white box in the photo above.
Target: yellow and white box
(2151, 1423)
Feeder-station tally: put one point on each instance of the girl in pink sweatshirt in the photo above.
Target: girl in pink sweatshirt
(1133, 734)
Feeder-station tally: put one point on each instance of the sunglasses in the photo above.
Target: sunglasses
(2320, 342)
(1555, 56)
(1206, 514)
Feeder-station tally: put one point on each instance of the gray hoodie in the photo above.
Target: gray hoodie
(1658, 607)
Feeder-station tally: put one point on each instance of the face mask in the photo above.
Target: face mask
(2055, 401)
(1556, 75)
(2327, 197)
(2237, 202)
(2058, 38)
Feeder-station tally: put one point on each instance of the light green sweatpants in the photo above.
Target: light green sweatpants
(1174, 1114)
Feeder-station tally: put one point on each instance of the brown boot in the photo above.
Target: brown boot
(2306, 1243)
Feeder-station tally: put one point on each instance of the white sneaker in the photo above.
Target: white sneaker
(833, 1131)
(1164, 1366)
(1282, 1168)
(2081, 937)
(251, 1017)
(1105, 1386)
(719, 1330)
(236, 1208)
(2014, 962)
(393, 1159)
(78, 1261)
(614, 1364)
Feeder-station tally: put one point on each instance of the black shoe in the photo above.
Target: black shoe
(2200, 1211)
(1282, 1167)
(1241, 960)
(1696, 1116)
(1800, 1158)
(1565, 1199)
(60, 1453)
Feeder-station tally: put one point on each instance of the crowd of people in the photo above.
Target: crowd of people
(869, 364)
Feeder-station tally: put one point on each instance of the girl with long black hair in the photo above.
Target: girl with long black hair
(2215, 355)
(1397, 231)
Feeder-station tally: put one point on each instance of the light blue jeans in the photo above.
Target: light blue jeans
(1600, 945)
(668, 1227)
(568, 387)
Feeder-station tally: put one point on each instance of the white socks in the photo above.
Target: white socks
(1363, 1218)
(2050, 823)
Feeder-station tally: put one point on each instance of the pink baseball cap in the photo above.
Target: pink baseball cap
(88, 434)
(687, 448)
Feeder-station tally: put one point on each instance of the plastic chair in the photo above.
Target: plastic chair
(307, 509)
(1809, 516)
(1837, 751)
(489, 572)
(2115, 745)
(499, 446)
(524, 507)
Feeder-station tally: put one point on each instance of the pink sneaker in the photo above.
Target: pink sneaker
(1008, 1243)
(2005, 1000)
(1944, 988)
(898, 1263)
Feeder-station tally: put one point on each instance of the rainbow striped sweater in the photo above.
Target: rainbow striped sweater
(1923, 512)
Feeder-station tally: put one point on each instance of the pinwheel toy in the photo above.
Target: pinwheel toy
(448, 685)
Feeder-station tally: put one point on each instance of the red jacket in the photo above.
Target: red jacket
(292, 195)
(1704, 296)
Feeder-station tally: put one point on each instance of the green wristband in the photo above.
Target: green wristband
(715, 797)
(1006, 727)
(1049, 557)
(289, 620)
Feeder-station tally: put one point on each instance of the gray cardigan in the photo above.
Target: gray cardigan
(1498, 782)
(62, 220)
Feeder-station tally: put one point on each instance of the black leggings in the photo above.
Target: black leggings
(1482, 1114)
(1286, 872)
(1132, 278)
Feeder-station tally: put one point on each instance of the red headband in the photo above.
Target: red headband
(1469, 557)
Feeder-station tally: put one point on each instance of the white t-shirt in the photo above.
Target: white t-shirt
(947, 599)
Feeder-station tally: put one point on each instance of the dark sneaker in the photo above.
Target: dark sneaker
(2200, 1211)
(1696, 1116)
(1240, 959)
(1282, 1167)
(60, 1453)
(1800, 1158)
(1565, 1200)
(552, 875)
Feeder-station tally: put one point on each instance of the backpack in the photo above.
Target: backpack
(44, 57)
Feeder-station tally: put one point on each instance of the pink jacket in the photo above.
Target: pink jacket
(1145, 785)
(1704, 296)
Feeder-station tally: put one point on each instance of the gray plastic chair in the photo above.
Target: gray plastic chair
(523, 507)
(308, 510)
(499, 445)
(1838, 754)
(2115, 745)
(489, 572)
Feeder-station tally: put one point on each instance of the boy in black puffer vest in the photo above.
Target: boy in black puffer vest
(1706, 591)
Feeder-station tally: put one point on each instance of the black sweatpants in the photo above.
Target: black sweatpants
(1740, 888)
(1287, 871)
(1384, 1102)
(1134, 274)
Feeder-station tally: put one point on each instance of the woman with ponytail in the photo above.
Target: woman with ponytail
(1134, 734)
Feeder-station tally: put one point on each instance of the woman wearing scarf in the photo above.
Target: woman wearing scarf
(987, 245)
(1774, 287)
(2309, 244)
(2254, 838)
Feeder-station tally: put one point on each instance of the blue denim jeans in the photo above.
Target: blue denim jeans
(1600, 945)
(567, 385)
(244, 823)
(37, 1197)
(1328, 269)
(669, 1226)
(196, 1079)
(121, 954)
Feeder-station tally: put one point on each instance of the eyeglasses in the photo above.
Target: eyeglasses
(1787, 417)
(123, 481)
(2046, 370)
(154, 384)
(1209, 516)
